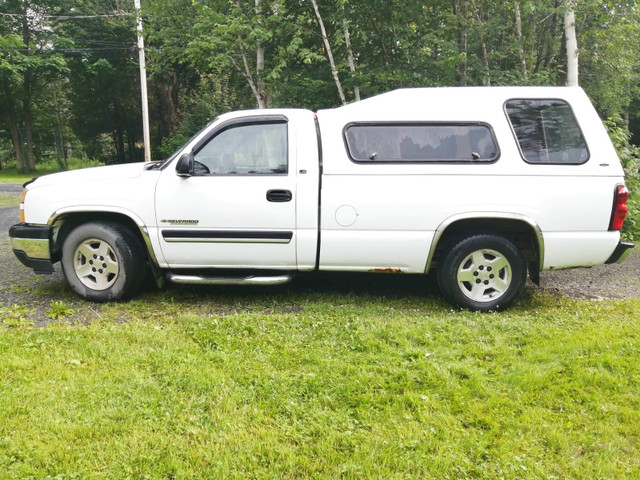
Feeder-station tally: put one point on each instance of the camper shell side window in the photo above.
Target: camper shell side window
(547, 131)
(378, 142)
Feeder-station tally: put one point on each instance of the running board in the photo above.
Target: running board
(249, 280)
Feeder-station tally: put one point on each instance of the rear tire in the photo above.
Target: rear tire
(103, 261)
(482, 273)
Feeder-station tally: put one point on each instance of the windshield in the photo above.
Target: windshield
(166, 162)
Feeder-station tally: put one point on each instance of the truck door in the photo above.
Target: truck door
(237, 209)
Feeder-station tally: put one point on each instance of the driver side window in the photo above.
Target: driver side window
(250, 149)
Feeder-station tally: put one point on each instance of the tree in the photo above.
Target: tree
(103, 77)
(237, 35)
(10, 74)
(610, 40)
(329, 51)
(350, 54)
(571, 43)
(29, 69)
(206, 57)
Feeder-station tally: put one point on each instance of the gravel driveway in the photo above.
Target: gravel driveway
(20, 286)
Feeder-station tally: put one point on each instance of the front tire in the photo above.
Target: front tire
(103, 261)
(482, 273)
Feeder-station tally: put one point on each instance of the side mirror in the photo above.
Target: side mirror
(184, 168)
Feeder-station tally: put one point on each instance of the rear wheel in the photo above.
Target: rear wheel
(482, 272)
(103, 261)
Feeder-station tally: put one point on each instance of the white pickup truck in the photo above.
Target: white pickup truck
(481, 185)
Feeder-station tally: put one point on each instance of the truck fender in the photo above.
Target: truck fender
(93, 209)
(462, 217)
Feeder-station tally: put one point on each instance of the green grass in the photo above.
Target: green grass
(13, 175)
(8, 199)
(303, 385)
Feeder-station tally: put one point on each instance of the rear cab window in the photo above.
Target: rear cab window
(547, 131)
(420, 143)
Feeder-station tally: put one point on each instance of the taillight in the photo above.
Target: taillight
(620, 208)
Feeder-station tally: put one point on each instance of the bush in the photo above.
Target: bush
(211, 98)
(55, 164)
(630, 157)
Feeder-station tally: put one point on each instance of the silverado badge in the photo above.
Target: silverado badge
(181, 222)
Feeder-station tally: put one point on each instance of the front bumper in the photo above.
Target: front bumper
(621, 253)
(32, 245)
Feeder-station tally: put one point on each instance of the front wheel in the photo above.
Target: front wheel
(483, 273)
(103, 261)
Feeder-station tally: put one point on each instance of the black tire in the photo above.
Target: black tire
(103, 261)
(482, 273)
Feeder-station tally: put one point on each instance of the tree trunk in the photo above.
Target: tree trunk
(261, 89)
(571, 45)
(460, 10)
(60, 132)
(523, 58)
(480, 16)
(246, 72)
(485, 62)
(167, 99)
(28, 128)
(119, 134)
(327, 46)
(131, 145)
(351, 57)
(17, 144)
(13, 126)
(256, 84)
(27, 84)
(546, 51)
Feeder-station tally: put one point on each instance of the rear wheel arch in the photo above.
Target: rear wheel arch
(522, 232)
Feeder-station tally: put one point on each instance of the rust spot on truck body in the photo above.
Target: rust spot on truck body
(386, 270)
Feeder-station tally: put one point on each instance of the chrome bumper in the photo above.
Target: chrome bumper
(32, 245)
(621, 253)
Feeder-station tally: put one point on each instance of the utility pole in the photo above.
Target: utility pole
(143, 86)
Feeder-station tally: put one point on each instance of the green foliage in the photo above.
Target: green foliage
(29, 65)
(206, 57)
(14, 316)
(610, 67)
(9, 199)
(210, 99)
(58, 310)
(101, 93)
(630, 157)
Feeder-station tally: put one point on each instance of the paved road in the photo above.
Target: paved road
(11, 187)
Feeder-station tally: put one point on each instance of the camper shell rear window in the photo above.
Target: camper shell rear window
(421, 143)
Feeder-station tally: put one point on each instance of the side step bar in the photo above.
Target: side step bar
(249, 280)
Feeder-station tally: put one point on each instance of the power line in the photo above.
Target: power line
(67, 50)
(66, 17)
